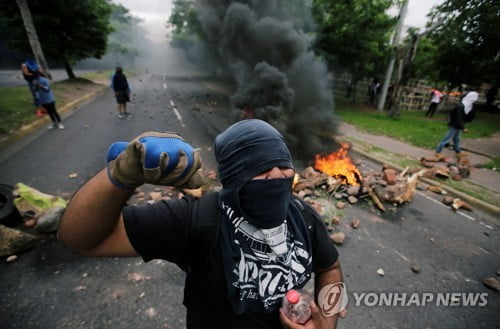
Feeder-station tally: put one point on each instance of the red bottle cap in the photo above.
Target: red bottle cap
(293, 296)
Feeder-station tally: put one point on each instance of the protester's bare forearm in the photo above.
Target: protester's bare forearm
(92, 213)
(323, 278)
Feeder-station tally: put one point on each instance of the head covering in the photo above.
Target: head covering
(244, 150)
(468, 100)
(248, 148)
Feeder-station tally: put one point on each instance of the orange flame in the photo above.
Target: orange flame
(339, 165)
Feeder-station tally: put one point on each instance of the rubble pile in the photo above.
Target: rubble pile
(383, 186)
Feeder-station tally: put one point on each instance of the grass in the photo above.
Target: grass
(16, 108)
(494, 164)
(412, 127)
(16, 103)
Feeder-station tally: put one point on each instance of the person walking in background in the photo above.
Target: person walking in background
(461, 113)
(120, 86)
(373, 91)
(435, 100)
(47, 101)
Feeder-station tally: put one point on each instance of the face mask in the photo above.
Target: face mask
(265, 201)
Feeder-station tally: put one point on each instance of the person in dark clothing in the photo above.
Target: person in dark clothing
(456, 122)
(264, 243)
(120, 86)
(491, 94)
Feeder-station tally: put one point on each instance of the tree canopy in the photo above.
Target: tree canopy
(354, 35)
(68, 30)
(124, 37)
(466, 42)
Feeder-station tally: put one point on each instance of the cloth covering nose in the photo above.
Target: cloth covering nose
(248, 148)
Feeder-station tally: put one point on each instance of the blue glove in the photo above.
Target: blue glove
(154, 158)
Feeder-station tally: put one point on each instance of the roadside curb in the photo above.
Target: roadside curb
(29, 128)
(469, 199)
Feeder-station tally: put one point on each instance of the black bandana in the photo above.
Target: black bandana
(265, 237)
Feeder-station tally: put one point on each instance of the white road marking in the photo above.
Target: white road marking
(172, 103)
(179, 117)
(164, 85)
(458, 212)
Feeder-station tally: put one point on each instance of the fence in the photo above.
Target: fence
(415, 96)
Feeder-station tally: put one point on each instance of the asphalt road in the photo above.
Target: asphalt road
(51, 287)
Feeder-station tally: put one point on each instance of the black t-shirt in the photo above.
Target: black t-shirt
(162, 231)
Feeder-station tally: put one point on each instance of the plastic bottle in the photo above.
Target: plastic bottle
(296, 305)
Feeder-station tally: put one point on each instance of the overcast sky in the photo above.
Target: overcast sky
(155, 13)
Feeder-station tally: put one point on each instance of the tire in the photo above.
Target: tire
(9, 216)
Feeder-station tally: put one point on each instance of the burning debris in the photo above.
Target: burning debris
(338, 176)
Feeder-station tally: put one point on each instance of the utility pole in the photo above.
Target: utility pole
(32, 36)
(395, 44)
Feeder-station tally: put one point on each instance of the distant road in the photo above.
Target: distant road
(11, 78)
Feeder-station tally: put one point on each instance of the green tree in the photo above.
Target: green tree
(354, 35)
(467, 41)
(123, 39)
(68, 30)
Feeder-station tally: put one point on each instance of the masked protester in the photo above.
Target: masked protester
(462, 113)
(242, 248)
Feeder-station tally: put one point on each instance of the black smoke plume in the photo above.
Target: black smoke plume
(277, 76)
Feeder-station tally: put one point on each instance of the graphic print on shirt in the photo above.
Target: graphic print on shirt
(271, 261)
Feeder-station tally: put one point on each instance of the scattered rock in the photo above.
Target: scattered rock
(212, 175)
(338, 237)
(14, 241)
(340, 205)
(352, 199)
(317, 206)
(73, 175)
(353, 190)
(29, 222)
(447, 200)
(11, 258)
(355, 223)
(390, 176)
(431, 240)
(422, 186)
(436, 189)
(486, 233)
(415, 268)
(48, 222)
(492, 283)
(335, 220)
(338, 196)
(459, 204)
(380, 272)
(155, 196)
(136, 277)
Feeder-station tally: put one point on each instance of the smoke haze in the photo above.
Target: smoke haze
(276, 74)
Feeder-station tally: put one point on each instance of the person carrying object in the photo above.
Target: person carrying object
(462, 113)
(242, 248)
